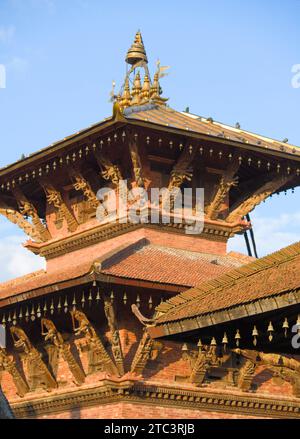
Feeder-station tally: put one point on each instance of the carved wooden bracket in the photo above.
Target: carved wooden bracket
(17, 218)
(28, 209)
(8, 364)
(136, 160)
(182, 170)
(98, 353)
(200, 367)
(51, 334)
(286, 368)
(108, 170)
(55, 198)
(37, 372)
(248, 203)
(81, 184)
(246, 375)
(143, 353)
(228, 180)
(115, 337)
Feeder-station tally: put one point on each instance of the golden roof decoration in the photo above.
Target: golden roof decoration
(138, 88)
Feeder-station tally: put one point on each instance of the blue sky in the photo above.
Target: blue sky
(231, 60)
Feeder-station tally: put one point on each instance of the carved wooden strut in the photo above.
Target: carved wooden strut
(115, 337)
(17, 218)
(8, 364)
(247, 204)
(228, 180)
(94, 343)
(56, 338)
(28, 210)
(55, 198)
(109, 171)
(37, 371)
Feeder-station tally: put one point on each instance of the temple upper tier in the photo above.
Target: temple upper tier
(52, 194)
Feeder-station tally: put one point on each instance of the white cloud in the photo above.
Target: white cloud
(18, 65)
(7, 33)
(15, 260)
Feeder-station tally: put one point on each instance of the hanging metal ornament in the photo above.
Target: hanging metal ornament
(237, 338)
(270, 331)
(255, 335)
(285, 327)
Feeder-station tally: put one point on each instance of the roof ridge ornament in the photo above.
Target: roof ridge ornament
(139, 89)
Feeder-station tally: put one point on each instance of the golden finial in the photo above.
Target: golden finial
(146, 88)
(126, 96)
(154, 93)
(137, 52)
(136, 90)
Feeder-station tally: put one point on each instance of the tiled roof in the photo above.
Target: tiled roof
(168, 117)
(40, 279)
(171, 266)
(265, 277)
(164, 116)
(137, 261)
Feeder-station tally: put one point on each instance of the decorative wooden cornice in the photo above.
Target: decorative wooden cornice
(135, 392)
(213, 231)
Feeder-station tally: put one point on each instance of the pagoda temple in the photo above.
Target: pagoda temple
(141, 319)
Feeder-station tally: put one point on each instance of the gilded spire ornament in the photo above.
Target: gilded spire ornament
(137, 52)
(138, 88)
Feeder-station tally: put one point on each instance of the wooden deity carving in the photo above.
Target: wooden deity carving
(136, 161)
(17, 218)
(28, 210)
(51, 334)
(115, 337)
(228, 180)
(148, 349)
(37, 373)
(142, 354)
(99, 360)
(182, 171)
(7, 363)
(109, 171)
(248, 203)
(87, 208)
(55, 199)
